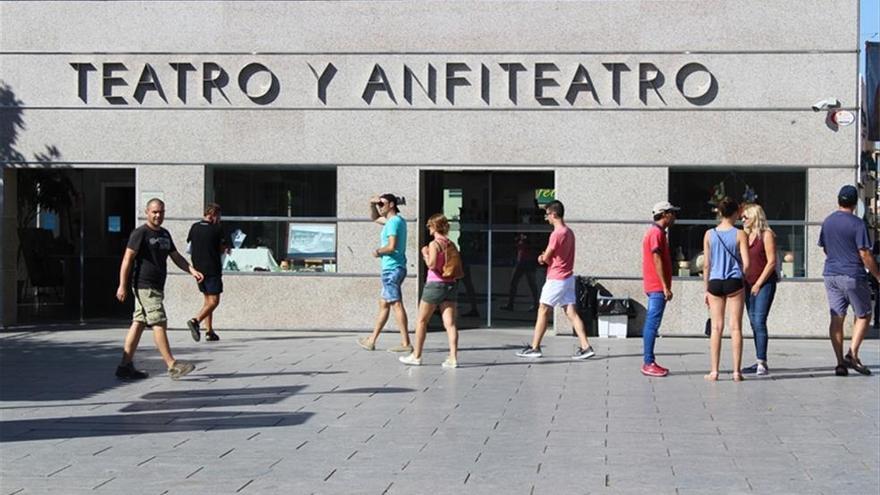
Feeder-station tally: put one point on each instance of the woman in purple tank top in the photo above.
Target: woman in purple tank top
(760, 281)
(726, 255)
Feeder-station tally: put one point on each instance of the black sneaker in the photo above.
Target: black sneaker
(856, 364)
(528, 352)
(840, 370)
(584, 353)
(751, 370)
(212, 336)
(127, 372)
(193, 326)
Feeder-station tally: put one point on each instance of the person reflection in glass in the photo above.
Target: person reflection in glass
(526, 265)
(469, 245)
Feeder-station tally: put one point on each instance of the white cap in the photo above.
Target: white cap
(664, 206)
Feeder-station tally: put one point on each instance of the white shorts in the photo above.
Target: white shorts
(558, 292)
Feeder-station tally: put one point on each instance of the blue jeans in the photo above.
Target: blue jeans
(758, 308)
(656, 306)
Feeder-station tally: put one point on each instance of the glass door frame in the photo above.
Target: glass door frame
(488, 227)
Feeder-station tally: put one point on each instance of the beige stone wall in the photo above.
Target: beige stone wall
(602, 26)
(771, 61)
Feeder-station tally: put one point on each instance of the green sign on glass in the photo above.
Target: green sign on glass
(544, 196)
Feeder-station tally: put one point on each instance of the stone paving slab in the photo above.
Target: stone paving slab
(310, 412)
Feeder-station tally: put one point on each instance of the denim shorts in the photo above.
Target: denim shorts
(391, 282)
(440, 292)
(843, 290)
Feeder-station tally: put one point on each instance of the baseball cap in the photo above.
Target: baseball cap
(664, 206)
(848, 195)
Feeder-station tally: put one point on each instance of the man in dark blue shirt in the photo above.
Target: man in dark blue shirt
(848, 254)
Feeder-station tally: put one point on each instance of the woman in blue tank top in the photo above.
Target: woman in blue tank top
(726, 261)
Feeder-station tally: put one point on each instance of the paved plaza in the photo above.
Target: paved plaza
(311, 412)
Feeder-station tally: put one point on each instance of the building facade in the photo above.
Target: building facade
(291, 115)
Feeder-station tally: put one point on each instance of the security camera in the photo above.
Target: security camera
(826, 104)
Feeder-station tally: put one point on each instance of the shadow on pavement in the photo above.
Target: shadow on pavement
(274, 373)
(130, 424)
(194, 399)
(370, 390)
(785, 373)
(152, 413)
(29, 368)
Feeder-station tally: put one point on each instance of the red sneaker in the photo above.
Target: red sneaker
(654, 369)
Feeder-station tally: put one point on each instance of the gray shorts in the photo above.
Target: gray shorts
(843, 291)
(439, 292)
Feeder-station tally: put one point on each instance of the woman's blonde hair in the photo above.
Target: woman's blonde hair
(756, 213)
(439, 223)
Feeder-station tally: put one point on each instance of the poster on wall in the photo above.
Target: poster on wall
(872, 89)
(311, 240)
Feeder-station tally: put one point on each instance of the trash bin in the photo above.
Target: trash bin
(613, 316)
(587, 292)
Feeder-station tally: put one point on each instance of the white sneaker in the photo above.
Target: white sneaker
(450, 363)
(410, 360)
(762, 370)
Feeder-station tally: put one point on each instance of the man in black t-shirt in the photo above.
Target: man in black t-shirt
(145, 259)
(206, 246)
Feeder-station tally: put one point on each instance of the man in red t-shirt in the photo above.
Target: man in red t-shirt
(657, 275)
(559, 288)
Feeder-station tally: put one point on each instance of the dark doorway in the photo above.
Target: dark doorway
(71, 244)
(498, 223)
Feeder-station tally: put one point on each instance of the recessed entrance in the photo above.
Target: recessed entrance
(498, 223)
(73, 225)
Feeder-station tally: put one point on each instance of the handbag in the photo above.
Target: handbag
(708, 329)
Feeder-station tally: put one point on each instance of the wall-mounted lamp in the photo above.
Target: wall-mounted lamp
(834, 117)
(826, 104)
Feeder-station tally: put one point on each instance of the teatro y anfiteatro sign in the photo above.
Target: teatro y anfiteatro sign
(401, 84)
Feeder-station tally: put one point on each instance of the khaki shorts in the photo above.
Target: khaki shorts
(148, 306)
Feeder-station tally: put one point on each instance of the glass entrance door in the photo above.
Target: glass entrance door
(499, 227)
(73, 225)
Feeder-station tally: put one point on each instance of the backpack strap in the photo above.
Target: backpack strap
(718, 236)
(441, 248)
